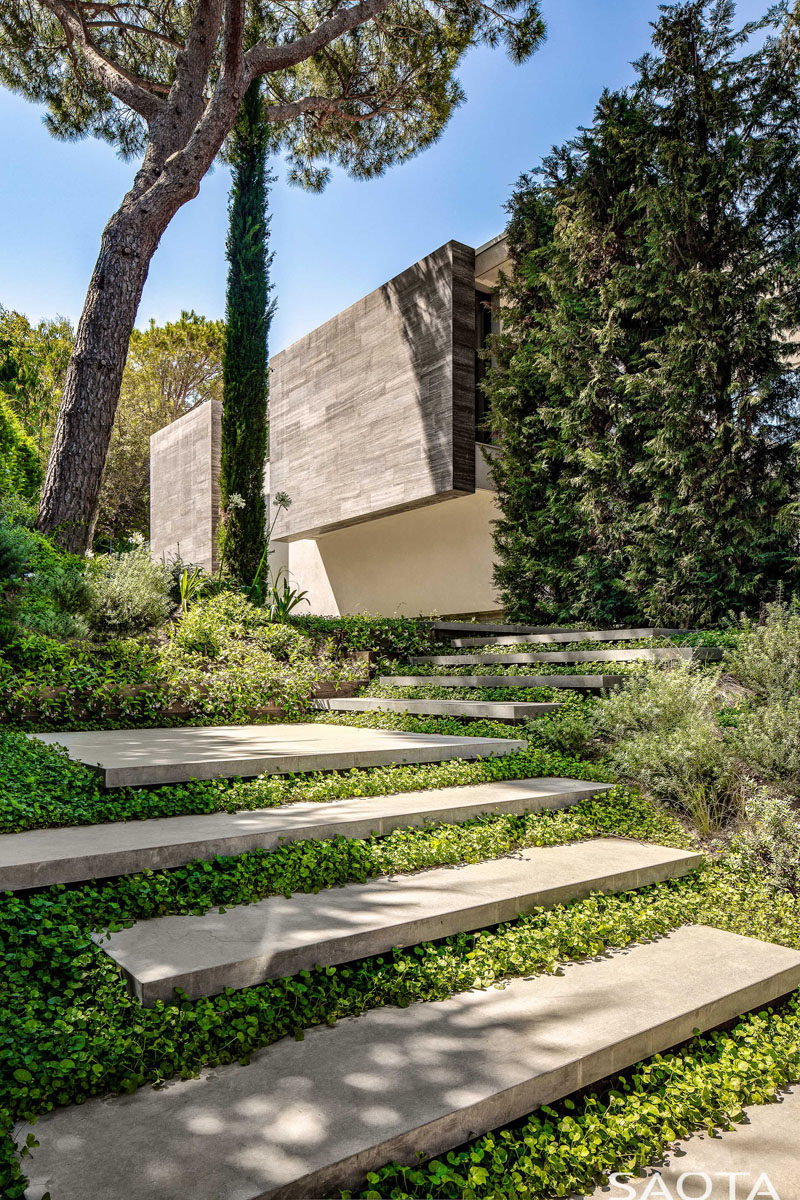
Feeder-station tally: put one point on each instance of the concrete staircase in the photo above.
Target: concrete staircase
(308, 1118)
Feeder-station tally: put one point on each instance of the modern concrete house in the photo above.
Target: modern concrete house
(375, 435)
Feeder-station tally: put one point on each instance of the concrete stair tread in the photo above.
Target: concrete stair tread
(73, 853)
(619, 654)
(280, 936)
(489, 627)
(515, 710)
(589, 682)
(137, 757)
(308, 1118)
(571, 635)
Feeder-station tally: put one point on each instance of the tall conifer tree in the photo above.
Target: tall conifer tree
(248, 313)
(645, 395)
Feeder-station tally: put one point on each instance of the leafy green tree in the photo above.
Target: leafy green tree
(20, 470)
(170, 369)
(33, 366)
(247, 316)
(646, 392)
(362, 84)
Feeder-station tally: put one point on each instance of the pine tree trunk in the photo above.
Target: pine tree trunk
(91, 389)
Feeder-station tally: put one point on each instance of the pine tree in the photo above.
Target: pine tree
(248, 314)
(645, 371)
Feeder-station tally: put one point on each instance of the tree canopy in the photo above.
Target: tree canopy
(647, 393)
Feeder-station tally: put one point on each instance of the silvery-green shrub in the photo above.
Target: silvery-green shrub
(130, 592)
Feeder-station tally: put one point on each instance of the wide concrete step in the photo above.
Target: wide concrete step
(577, 682)
(308, 1118)
(498, 709)
(573, 657)
(279, 936)
(46, 856)
(134, 757)
(570, 635)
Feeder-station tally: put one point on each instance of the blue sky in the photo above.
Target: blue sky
(331, 248)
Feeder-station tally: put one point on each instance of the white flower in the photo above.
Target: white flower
(236, 501)
(137, 539)
(90, 553)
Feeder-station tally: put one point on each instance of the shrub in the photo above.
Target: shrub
(129, 592)
(770, 841)
(689, 766)
(768, 739)
(766, 658)
(213, 624)
(658, 700)
(667, 740)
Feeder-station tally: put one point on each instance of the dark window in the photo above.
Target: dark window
(484, 318)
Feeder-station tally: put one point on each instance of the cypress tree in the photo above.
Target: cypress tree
(645, 375)
(248, 313)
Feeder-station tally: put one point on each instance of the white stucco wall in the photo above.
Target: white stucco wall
(436, 559)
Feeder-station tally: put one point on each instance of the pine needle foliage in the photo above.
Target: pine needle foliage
(645, 389)
(245, 372)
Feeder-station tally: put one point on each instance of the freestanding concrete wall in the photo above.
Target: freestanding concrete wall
(374, 411)
(184, 486)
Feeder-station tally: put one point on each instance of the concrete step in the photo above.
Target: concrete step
(305, 1119)
(280, 936)
(470, 709)
(468, 627)
(570, 635)
(756, 1159)
(46, 856)
(580, 682)
(651, 654)
(135, 757)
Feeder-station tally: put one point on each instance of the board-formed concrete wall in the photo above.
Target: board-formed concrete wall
(184, 486)
(374, 411)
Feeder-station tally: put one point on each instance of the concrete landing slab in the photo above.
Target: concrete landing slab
(471, 709)
(647, 654)
(134, 757)
(571, 635)
(46, 856)
(759, 1158)
(577, 682)
(307, 1118)
(279, 936)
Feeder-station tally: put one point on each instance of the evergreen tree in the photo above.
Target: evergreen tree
(248, 314)
(644, 394)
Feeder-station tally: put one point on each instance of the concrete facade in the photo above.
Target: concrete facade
(373, 437)
(374, 411)
(184, 486)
